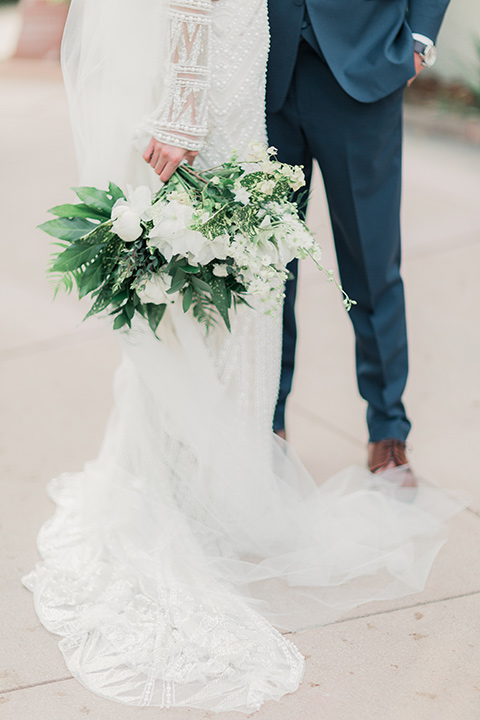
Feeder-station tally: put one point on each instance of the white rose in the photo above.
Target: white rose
(154, 290)
(126, 224)
(126, 214)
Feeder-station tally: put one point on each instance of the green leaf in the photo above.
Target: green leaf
(203, 312)
(120, 321)
(101, 234)
(91, 278)
(155, 314)
(75, 256)
(61, 281)
(178, 281)
(182, 264)
(102, 301)
(187, 298)
(79, 210)
(129, 310)
(118, 298)
(98, 199)
(201, 285)
(111, 253)
(220, 298)
(68, 228)
(190, 269)
(116, 193)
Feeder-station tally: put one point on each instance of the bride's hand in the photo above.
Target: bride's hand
(165, 159)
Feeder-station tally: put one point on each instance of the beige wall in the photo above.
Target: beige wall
(457, 58)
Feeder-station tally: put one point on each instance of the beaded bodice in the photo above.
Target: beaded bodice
(216, 78)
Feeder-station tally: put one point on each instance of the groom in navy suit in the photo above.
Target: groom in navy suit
(336, 76)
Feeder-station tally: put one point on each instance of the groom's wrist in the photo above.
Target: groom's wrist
(425, 48)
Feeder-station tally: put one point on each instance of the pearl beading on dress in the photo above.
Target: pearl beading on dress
(183, 119)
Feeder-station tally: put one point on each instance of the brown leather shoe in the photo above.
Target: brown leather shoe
(387, 455)
(281, 433)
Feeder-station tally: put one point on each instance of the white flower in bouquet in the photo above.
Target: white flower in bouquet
(173, 218)
(239, 250)
(172, 234)
(245, 245)
(316, 253)
(200, 250)
(220, 270)
(295, 175)
(154, 290)
(287, 250)
(241, 194)
(257, 152)
(156, 211)
(127, 214)
(270, 167)
(266, 249)
(268, 287)
(266, 187)
(219, 247)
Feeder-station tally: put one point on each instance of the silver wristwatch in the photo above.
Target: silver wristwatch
(428, 53)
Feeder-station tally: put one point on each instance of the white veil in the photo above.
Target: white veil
(114, 60)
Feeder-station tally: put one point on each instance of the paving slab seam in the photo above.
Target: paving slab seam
(34, 685)
(383, 612)
(310, 415)
(60, 341)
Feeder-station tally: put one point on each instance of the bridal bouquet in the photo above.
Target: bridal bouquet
(210, 240)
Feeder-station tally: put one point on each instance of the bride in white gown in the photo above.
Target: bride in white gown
(171, 557)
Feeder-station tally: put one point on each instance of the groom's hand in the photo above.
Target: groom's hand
(418, 67)
(165, 159)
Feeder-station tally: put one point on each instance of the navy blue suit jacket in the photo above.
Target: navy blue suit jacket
(367, 44)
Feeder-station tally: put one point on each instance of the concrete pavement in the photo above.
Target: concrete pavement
(415, 659)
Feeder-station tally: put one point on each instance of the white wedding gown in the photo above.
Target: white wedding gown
(171, 557)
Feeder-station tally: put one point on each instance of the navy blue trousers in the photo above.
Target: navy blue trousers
(358, 147)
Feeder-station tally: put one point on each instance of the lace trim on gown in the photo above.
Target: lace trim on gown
(183, 119)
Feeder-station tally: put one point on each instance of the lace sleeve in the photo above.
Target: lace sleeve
(182, 119)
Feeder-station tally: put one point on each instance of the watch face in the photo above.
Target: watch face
(429, 55)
